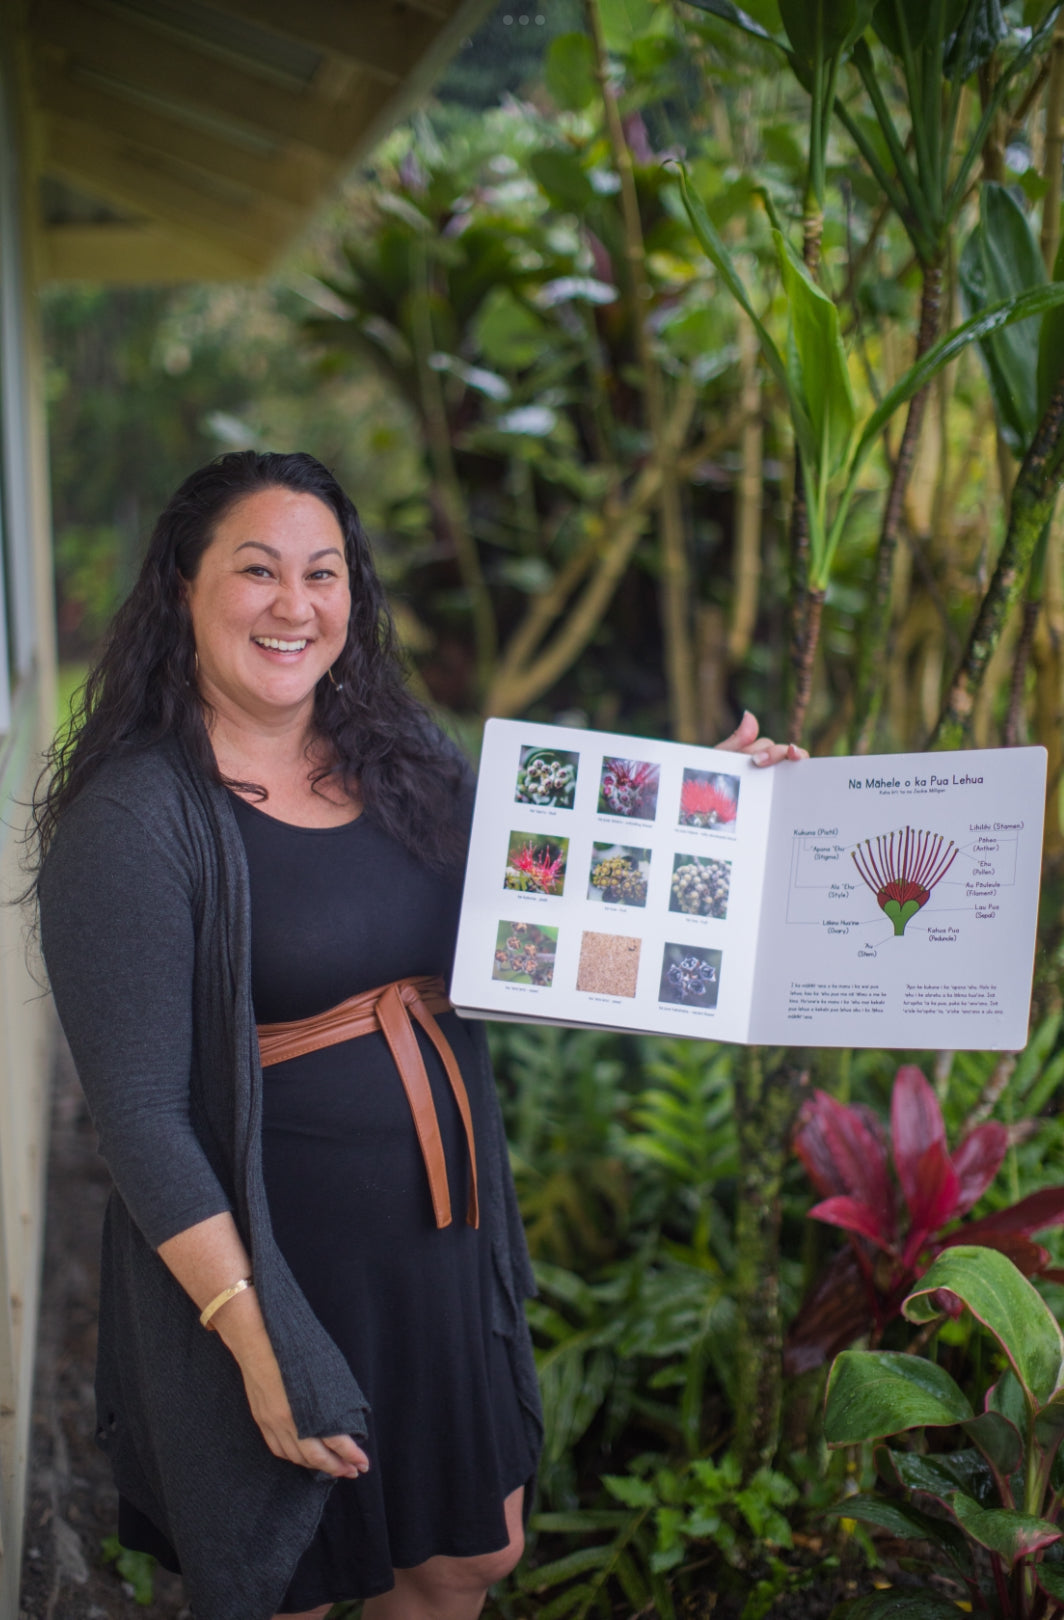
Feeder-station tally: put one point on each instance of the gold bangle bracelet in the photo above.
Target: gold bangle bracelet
(221, 1299)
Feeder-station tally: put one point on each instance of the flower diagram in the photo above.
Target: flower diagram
(902, 869)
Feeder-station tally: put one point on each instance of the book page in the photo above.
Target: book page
(900, 901)
(613, 882)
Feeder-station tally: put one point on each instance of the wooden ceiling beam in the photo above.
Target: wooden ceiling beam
(134, 254)
(383, 39)
(108, 169)
(128, 51)
(290, 178)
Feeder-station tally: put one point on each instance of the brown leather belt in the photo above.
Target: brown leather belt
(390, 1009)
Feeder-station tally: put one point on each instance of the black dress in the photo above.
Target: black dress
(335, 912)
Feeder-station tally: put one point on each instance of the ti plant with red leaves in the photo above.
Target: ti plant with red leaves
(898, 1224)
(991, 1510)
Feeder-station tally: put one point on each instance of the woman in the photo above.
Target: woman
(314, 1378)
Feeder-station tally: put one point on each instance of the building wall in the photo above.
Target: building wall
(27, 709)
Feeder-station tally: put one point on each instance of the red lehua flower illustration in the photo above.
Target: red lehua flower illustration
(702, 799)
(540, 868)
(903, 869)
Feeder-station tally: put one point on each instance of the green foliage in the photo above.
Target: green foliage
(1001, 1495)
(138, 1568)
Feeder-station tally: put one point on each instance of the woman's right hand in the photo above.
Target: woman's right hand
(337, 1454)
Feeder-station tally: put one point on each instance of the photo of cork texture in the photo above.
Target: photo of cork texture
(547, 776)
(700, 886)
(709, 799)
(536, 865)
(524, 954)
(629, 787)
(609, 964)
(619, 874)
(690, 976)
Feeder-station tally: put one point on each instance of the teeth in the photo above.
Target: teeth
(279, 646)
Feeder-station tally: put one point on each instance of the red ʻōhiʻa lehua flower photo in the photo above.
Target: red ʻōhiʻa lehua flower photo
(902, 870)
(709, 800)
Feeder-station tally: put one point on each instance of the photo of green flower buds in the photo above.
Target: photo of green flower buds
(547, 776)
(700, 886)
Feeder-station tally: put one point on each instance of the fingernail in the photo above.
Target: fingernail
(762, 759)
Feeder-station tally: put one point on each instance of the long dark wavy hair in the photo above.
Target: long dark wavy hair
(144, 688)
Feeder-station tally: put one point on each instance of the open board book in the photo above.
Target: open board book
(621, 883)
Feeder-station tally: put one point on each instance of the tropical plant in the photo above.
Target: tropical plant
(891, 1241)
(990, 1510)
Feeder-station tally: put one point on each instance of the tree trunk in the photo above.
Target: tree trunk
(1033, 497)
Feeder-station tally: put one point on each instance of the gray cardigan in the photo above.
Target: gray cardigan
(145, 925)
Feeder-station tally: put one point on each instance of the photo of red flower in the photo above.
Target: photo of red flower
(709, 799)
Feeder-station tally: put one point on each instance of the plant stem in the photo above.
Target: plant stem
(1012, 735)
(1054, 153)
(875, 630)
(748, 498)
(805, 660)
(1033, 497)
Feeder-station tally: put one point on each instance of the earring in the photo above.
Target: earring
(338, 685)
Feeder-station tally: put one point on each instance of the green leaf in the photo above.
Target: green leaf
(570, 71)
(507, 333)
(562, 177)
(1051, 1578)
(1000, 1297)
(1000, 259)
(624, 21)
(1049, 1424)
(738, 18)
(904, 1521)
(1010, 1535)
(898, 1606)
(915, 17)
(874, 1393)
(715, 250)
(975, 40)
(841, 22)
(822, 379)
(999, 1441)
(940, 1474)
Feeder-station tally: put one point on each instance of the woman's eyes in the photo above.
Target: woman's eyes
(260, 571)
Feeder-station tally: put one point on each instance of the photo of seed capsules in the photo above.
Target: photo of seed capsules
(700, 886)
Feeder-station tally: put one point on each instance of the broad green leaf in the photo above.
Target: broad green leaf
(570, 71)
(896, 19)
(1049, 1424)
(939, 1474)
(507, 333)
(624, 21)
(1051, 344)
(977, 36)
(1051, 1578)
(1000, 259)
(562, 177)
(999, 1441)
(737, 17)
(823, 378)
(1010, 1535)
(904, 1605)
(1007, 1397)
(905, 1521)
(840, 23)
(999, 1296)
(874, 1393)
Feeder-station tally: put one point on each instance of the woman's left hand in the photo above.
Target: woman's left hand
(762, 750)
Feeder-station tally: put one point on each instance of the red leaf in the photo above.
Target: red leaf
(854, 1216)
(1032, 1214)
(1028, 1257)
(977, 1162)
(843, 1152)
(836, 1311)
(916, 1125)
(933, 1200)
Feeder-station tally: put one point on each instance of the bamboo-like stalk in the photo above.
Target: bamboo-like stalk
(1033, 499)
(1054, 149)
(1014, 729)
(748, 500)
(806, 660)
(675, 571)
(519, 682)
(875, 629)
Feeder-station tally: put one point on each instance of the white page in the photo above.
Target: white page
(604, 961)
(832, 970)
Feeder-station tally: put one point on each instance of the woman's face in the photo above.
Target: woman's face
(270, 605)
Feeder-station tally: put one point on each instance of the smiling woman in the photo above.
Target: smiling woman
(251, 866)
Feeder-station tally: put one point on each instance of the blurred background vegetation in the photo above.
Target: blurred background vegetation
(640, 462)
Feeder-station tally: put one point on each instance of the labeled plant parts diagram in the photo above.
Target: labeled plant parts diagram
(910, 882)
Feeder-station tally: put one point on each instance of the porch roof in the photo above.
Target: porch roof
(192, 139)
